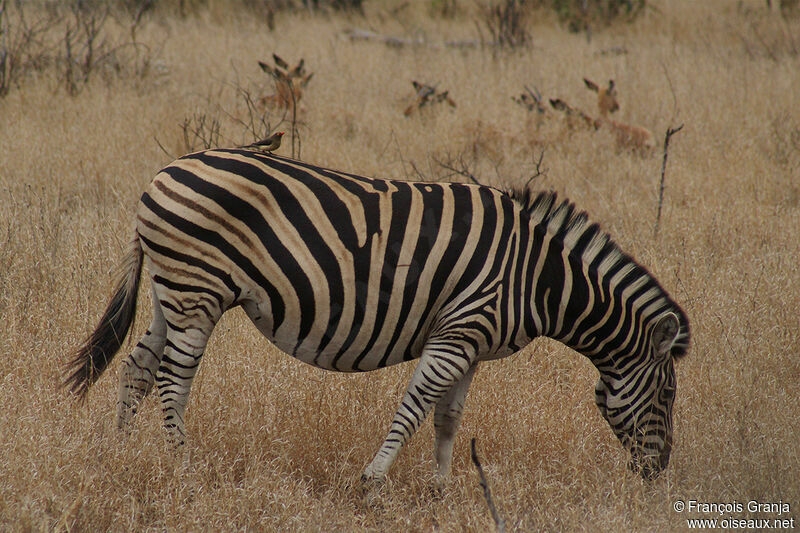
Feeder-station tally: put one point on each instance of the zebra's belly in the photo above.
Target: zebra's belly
(348, 351)
(353, 359)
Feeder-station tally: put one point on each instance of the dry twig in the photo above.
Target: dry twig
(539, 170)
(487, 493)
(289, 85)
(670, 133)
(463, 171)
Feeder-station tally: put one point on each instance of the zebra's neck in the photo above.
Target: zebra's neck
(583, 290)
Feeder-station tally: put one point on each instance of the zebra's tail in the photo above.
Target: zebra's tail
(96, 352)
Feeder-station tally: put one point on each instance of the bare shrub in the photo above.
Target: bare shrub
(201, 132)
(337, 5)
(256, 120)
(788, 8)
(581, 15)
(84, 45)
(23, 49)
(763, 35)
(506, 23)
(70, 40)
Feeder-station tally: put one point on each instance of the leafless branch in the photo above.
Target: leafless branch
(295, 132)
(200, 127)
(144, 7)
(671, 90)
(419, 174)
(539, 171)
(463, 171)
(162, 148)
(400, 154)
(289, 85)
(670, 133)
(487, 493)
(255, 122)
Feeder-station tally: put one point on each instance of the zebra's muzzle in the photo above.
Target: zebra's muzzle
(650, 463)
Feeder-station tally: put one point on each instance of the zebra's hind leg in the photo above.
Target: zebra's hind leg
(186, 339)
(446, 419)
(139, 368)
(444, 363)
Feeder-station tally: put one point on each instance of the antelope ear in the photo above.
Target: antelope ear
(266, 68)
(665, 332)
(279, 61)
(590, 84)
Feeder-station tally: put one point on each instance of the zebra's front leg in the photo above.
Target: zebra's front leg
(441, 367)
(446, 419)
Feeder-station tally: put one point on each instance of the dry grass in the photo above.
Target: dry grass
(277, 445)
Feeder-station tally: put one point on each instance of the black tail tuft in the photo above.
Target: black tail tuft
(96, 352)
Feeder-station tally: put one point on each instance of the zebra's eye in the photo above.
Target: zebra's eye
(668, 393)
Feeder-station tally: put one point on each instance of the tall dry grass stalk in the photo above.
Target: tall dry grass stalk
(277, 445)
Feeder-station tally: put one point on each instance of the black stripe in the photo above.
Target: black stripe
(551, 277)
(460, 229)
(194, 261)
(297, 215)
(433, 205)
(214, 239)
(483, 246)
(508, 292)
(520, 285)
(401, 203)
(184, 287)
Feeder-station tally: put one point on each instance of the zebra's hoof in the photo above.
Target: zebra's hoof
(438, 487)
(371, 491)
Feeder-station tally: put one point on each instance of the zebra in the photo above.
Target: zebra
(351, 274)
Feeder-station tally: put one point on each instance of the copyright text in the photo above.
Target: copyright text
(712, 515)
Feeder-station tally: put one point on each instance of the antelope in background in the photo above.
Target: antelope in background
(289, 84)
(627, 135)
(425, 94)
(575, 117)
(531, 100)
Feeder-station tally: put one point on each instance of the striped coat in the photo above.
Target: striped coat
(350, 274)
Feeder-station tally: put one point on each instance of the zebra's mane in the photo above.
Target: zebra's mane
(588, 240)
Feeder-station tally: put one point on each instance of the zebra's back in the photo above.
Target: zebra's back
(341, 271)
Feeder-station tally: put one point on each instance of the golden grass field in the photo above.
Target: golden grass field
(276, 445)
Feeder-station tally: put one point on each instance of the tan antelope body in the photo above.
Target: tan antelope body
(289, 84)
(626, 135)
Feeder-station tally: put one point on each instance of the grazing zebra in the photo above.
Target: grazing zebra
(351, 274)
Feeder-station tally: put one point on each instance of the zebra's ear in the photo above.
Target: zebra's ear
(665, 333)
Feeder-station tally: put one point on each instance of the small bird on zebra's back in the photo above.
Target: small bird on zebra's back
(269, 144)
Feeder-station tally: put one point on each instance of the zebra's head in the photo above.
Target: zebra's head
(637, 399)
